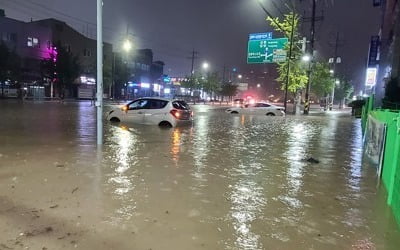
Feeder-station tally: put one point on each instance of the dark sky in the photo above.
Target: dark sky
(218, 29)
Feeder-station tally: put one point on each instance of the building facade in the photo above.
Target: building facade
(36, 41)
(389, 58)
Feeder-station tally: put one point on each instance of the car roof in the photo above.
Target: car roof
(158, 98)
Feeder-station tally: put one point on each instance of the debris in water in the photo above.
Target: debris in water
(74, 190)
(54, 206)
(312, 160)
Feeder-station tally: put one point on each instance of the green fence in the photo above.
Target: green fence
(391, 160)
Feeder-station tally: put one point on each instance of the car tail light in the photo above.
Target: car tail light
(176, 113)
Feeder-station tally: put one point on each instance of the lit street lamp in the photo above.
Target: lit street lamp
(331, 71)
(127, 46)
(306, 58)
(205, 65)
(240, 76)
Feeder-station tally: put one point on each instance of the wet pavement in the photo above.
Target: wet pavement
(228, 182)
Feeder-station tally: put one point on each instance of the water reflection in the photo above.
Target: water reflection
(121, 180)
(247, 198)
(200, 149)
(176, 144)
(297, 147)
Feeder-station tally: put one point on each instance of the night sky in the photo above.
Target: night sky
(218, 29)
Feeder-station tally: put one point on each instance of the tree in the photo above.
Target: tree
(211, 83)
(323, 80)
(343, 91)
(107, 77)
(229, 90)
(63, 65)
(392, 93)
(10, 64)
(298, 72)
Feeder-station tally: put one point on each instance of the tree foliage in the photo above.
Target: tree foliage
(210, 83)
(322, 79)
(229, 89)
(343, 90)
(63, 65)
(10, 64)
(298, 73)
(392, 91)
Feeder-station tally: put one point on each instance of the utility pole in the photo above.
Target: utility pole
(193, 58)
(223, 74)
(99, 102)
(311, 51)
(335, 60)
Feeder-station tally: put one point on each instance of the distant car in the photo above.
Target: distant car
(238, 102)
(259, 108)
(153, 111)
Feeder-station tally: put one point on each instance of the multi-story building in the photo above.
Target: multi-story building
(35, 41)
(143, 75)
(30, 41)
(389, 59)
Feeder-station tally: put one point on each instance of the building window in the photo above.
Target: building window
(9, 37)
(87, 52)
(33, 42)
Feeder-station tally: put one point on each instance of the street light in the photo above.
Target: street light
(258, 85)
(306, 58)
(337, 81)
(331, 71)
(205, 65)
(240, 76)
(127, 46)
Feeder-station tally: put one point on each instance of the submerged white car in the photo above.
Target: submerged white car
(259, 108)
(153, 111)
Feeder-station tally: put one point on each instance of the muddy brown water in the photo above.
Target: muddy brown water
(227, 182)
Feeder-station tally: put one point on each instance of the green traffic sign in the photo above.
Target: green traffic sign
(266, 51)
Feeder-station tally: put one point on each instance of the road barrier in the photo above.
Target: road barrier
(391, 159)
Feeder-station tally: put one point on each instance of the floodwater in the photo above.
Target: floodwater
(228, 182)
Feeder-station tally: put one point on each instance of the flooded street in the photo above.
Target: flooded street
(228, 182)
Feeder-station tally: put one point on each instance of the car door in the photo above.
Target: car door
(154, 111)
(263, 108)
(135, 112)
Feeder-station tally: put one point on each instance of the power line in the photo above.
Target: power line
(33, 11)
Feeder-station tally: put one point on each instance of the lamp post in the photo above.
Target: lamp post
(99, 102)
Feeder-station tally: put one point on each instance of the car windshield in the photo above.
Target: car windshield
(180, 105)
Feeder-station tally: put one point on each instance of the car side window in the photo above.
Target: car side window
(155, 104)
(139, 104)
(262, 105)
